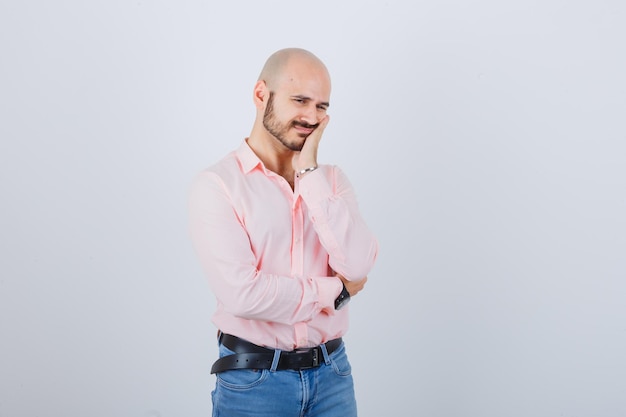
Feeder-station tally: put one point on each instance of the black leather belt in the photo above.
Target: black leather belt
(250, 356)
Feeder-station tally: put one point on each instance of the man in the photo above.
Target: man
(284, 247)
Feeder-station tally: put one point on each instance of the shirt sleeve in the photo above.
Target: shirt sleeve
(334, 212)
(221, 242)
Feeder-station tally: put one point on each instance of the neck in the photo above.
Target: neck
(271, 152)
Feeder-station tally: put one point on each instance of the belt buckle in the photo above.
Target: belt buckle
(316, 357)
(312, 356)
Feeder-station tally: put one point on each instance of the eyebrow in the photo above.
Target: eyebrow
(301, 97)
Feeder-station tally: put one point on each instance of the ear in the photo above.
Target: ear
(260, 94)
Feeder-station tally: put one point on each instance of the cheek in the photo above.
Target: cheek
(287, 117)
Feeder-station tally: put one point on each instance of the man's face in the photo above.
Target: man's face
(294, 111)
(291, 133)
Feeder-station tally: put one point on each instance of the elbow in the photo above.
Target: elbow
(250, 302)
(239, 303)
(359, 264)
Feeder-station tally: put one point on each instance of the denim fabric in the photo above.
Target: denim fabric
(325, 391)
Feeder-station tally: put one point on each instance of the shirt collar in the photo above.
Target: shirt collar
(247, 158)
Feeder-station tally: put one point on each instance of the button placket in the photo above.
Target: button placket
(297, 241)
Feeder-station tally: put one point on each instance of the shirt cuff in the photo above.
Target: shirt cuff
(328, 289)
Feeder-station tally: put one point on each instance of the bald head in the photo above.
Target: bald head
(291, 98)
(279, 64)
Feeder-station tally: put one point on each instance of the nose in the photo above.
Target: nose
(309, 115)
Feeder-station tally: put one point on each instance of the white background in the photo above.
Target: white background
(486, 142)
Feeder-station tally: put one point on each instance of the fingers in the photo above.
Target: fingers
(353, 287)
(308, 155)
(319, 130)
(322, 125)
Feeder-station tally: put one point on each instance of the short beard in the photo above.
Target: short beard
(279, 130)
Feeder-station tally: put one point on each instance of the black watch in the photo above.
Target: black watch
(343, 299)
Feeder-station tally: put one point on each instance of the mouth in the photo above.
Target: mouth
(303, 128)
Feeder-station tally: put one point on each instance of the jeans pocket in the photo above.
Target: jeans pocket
(340, 363)
(241, 379)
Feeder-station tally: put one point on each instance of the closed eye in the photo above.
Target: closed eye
(304, 100)
(301, 100)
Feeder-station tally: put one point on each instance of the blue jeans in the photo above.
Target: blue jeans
(324, 391)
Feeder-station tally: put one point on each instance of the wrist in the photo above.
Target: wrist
(304, 171)
(344, 297)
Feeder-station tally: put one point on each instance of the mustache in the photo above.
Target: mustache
(305, 125)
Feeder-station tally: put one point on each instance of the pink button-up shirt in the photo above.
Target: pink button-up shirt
(270, 253)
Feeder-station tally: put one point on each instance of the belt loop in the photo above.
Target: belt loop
(275, 360)
(325, 353)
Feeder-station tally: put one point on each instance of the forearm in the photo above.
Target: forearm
(275, 298)
(333, 209)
